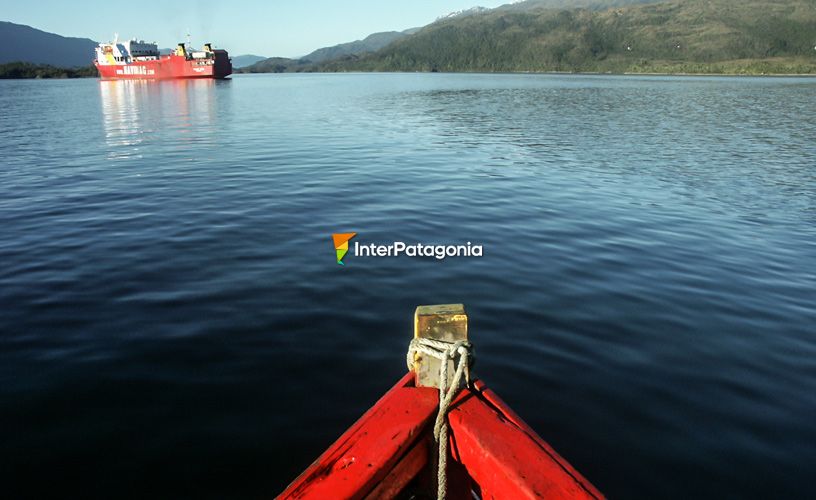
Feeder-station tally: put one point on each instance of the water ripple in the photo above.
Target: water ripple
(169, 287)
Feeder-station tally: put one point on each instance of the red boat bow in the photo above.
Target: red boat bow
(388, 452)
(494, 454)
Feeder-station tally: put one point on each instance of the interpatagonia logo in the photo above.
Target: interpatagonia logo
(400, 248)
(341, 245)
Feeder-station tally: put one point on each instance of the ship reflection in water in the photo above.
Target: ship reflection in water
(140, 115)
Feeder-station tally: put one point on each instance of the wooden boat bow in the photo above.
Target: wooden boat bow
(390, 451)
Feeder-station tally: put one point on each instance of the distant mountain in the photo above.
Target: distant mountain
(371, 43)
(465, 12)
(245, 60)
(688, 36)
(350, 53)
(26, 44)
(277, 65)
(528, 5)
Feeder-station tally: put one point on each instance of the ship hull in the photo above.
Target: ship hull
(169, 67)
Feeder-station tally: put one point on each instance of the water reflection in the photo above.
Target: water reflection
(648, 286)
(139, 114)
(684, 138)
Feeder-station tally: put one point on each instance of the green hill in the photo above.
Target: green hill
(29, 70)
(245, 60)
(275, 65)
(692, 36)
(371, 43)
(19, 42)
(528, 5)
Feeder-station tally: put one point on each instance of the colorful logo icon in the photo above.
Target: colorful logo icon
(341, 242)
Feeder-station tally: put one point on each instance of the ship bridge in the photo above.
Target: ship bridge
(117, 53)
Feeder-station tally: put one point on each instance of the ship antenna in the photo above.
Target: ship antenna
(115, 38)
(188, 38)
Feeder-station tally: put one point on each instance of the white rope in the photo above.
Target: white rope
(443, 351)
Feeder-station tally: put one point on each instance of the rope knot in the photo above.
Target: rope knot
(443, 351)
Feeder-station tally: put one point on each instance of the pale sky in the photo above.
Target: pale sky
(267, 28)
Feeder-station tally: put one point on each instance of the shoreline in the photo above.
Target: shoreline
(75, 76)
(579, 73)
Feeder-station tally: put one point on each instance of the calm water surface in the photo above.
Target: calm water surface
(173, 323)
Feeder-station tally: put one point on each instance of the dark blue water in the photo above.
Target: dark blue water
(173, 322)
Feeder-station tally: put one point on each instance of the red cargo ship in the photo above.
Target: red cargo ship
(137, 59)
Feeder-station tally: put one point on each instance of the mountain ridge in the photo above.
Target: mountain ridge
(641, 36)
(370, 43)
(244, 60)
(22, 43)
(688, 36)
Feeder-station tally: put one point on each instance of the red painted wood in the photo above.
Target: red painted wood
(500, 406)
(371, 448)
(493, 452)
(404, 472)
(508, 460)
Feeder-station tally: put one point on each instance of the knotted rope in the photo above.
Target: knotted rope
(443, 351)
